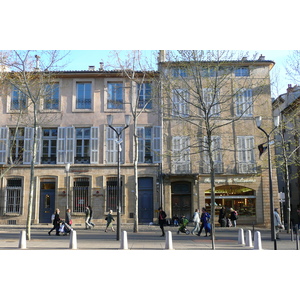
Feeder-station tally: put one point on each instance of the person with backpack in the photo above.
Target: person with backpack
(161, 220)
(233, 216)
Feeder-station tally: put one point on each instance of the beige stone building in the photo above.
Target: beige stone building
(77, 153)
(195, 93)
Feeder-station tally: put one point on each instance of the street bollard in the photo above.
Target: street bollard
(257, 241)
(22, 240)
(169, 242)
(241, 239)
(249, 239)
(124, 241)
(73, 240)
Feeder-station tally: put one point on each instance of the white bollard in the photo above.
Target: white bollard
(73, 240)
(241, 239)
(22, 241)
(169, 241)
(257, 241)
(124, 241)
(249, 239)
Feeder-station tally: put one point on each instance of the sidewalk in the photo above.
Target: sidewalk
(148, 238)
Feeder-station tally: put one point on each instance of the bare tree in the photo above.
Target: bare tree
(203, 94)
(31, 74)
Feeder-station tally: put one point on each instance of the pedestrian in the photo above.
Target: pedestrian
(87, 218)
(91, 217)
(175, 220)
(222, 217)
(277, 223)
(109, 220)
(196, 220)
(233, 216)
(56, 222)
(68, 217)
(205, 216)
(161, 220)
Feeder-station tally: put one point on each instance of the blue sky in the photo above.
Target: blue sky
(81, 59)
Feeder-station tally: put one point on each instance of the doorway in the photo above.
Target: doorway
(181, 199)
(47, 201)
(145, 188)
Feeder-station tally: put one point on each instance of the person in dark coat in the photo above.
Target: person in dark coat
(222, 217)
(205, 216)
(233, 217)
(91, 217)
(56, 222)
(162, 220)
(68, 217)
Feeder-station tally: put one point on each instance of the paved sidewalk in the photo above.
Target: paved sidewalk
(148, 238)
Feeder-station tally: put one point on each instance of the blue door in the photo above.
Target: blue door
(145, 199)
(47, 201)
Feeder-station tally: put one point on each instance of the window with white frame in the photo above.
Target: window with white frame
(83, 95)
(51, 99)
(112, 145)
(242, 72)
(82, 136)
(144, 95)
(244, 103)
(16, 145)
(180, 154)
(180, 99)
(80, 194)
(211, 102)
(149, 141)
(245, 148)
(216, 155)
(13, 196)
(115, 95)
(49, 144)
(18, 99)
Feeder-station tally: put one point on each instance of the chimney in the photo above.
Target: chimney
(244, 58)
(162, 56)
(290, 88)
(261, 57)
(91, 68)
(101, 66)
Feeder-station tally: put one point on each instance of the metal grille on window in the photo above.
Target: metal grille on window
(112, 194)
(13, 195)
(80, 194)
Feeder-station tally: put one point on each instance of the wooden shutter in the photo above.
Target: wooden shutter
(3, 145)
(94, 145)
(61, 145)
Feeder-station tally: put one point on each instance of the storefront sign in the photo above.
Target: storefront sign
(230, 180)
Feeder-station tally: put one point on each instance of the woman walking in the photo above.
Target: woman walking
(109, 220)
(56, 222)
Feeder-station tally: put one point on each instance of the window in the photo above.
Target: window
(243, 71)
(112, 193)
(13, 196)
(149, 144)
(82, 145)
(144, 95)
(51, 100)
(216, 153)
(49, 146)
(115, 95)
(180, 154)
(180, 72)
(112, 145)
(246, 162)
(83, 95)
(244, 103)
(180, 100)
(16, 145)
(80, 194)
(211, 102)
(18, 100)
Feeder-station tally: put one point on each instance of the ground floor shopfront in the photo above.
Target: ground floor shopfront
(55, 187)
(248, 195)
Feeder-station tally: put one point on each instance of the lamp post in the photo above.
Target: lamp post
(118, 141)
(67, 171)
(276, 124)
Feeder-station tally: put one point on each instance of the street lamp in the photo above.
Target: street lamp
(118, 141)
(276, 124)
(67, 168)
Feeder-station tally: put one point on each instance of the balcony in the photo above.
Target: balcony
(246, 168)
(181, 168)
(48, 160)
(82, 160)
(219, 168)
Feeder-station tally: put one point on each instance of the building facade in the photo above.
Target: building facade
(77, 153)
